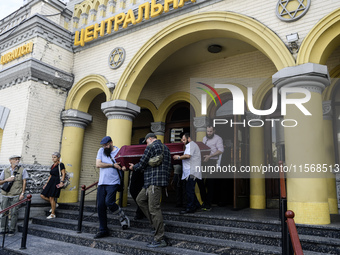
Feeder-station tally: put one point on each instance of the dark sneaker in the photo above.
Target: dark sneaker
(157, 244)
(101, 235)
(11, 233)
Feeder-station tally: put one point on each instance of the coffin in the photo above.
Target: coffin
(132, 153)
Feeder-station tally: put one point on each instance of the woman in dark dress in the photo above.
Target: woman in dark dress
(51, 189)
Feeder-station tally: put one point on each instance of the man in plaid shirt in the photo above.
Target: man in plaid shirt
(154, 179)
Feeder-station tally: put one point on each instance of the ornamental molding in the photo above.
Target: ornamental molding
(38, 176)
(187, 8)
(116, 57)
(102, 7)
(37, 26)
(158, 128)
(313, 77)
(327, 110)
(35, 70)
(22, 13)
(75, 118)
(287, 11)
(93, 12)
(120, 109)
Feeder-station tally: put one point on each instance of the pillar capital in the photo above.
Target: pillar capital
(102, 7)
(327, 110)
(201, 123)
(75, 118)
(313, 77)
(120, 109)
(158, 128)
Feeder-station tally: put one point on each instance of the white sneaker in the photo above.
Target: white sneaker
(125, 223)
(56, 206)
(52, 216)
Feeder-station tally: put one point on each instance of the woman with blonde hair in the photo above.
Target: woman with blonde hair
(51, 189)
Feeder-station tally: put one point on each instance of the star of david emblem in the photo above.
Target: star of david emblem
(291, 10)
(116, 57)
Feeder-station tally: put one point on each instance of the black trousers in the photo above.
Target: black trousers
(136, 185)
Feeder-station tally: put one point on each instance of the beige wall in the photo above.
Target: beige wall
(94, 132)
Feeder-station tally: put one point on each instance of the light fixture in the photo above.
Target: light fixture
(111, 86)
(292, 41)
(215, 48)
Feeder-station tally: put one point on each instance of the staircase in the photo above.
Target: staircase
(221, 231)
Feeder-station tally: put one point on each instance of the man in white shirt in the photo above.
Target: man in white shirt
(191, 158)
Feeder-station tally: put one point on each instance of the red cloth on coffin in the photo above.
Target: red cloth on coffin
(132, 153)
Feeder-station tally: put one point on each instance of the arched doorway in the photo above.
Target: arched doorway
(232, 191)
(178, 121)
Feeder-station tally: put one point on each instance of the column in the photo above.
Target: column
(159, 129)
(200, 124)
(75, 22)
(75, 123)
(112, 6)
(102, 10)
(256, 158)
(120, 114)
(93, 15)
(329, 155)
(83, 19)
(307, 192)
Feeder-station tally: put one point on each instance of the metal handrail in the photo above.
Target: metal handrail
(294, 237)
(26, 220)
(288, 229)
(81, 204)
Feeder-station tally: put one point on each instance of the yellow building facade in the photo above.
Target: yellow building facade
(135, 65)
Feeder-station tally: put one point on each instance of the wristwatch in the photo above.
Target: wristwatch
(179, 157)
(23, 194)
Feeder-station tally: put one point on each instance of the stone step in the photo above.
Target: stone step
(271, 224)
(259, 237)
(36, 245)
(199, 243)
(112, 244)
(198, 217)
(263, 237)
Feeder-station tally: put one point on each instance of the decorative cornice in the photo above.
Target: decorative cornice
(201, 123)
(187, 8)
(313, 77)
(120, 109)
(93, 11)
(37, 26)
(158, 128)
(75, 118)
(25, 10)
(84, 16)
(327, 110)
(111, 3)
(102, 7)
(32, 69)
